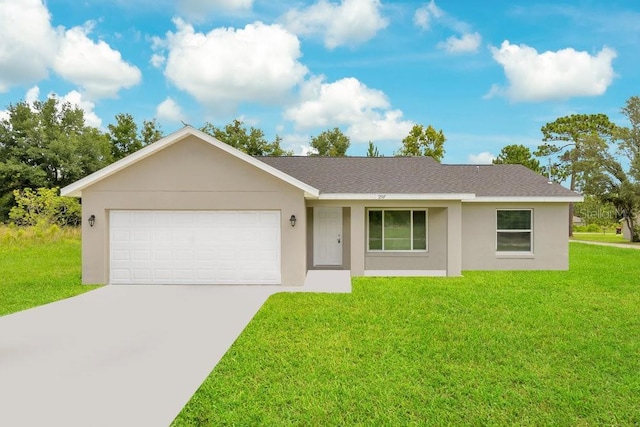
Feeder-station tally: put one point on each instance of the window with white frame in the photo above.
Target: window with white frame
(514, 230)
(397, 229)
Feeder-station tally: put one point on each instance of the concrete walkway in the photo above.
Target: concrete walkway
(615, 245)
(124, 355)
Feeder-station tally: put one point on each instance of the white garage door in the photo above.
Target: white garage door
(195, 247)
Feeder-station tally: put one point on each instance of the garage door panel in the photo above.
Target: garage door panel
(142, 255)
(120, 236)
(184, 274)
(120, 255)
(208, 247)
(142, 219)
(141, 274)
(163, 275)
(162, 255)
(184, 256)
(206, 256)
(120, 275)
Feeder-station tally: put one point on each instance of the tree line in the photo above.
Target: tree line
(47, 144)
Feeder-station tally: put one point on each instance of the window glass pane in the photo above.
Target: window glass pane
(375, 230)
(419, 230)
(514, 220)
(514, 242)
(397, 230)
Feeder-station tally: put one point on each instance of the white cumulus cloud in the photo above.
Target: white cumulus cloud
(157, 60)
(258, 63)
(96, 67)
(347, 102)
(349, 22)
(484, 158)
(27, 42)
(387, 126)
(425, 14)
(562, 74)
(466, 43)
(325, 104)
(30, 47)
(32, 95)
(170, 111)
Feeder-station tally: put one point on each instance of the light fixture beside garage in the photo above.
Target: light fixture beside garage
(293, 220)
(92, 220)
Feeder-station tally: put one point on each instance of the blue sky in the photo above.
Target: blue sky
(488, 74)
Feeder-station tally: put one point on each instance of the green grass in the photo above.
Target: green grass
(490, 348)
(38, 267)
(601, 237)
(495, 348)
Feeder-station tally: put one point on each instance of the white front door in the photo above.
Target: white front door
(327, 236)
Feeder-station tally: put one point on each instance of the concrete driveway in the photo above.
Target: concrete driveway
(125, 355)
(119, 355)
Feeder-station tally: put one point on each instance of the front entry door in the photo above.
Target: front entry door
(327, 236)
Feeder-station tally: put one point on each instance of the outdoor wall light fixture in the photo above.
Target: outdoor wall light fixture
(293, 220)
(92, 220)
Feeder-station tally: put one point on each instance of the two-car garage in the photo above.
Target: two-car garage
(190, 209)
(194, 247)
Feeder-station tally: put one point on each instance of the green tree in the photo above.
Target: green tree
(151, 132)
(570, 138)
(46, 144)
(423, 141)
(516, 154)
(277, 150)
(330, 143)
(124, 136)
(252, 141)
(372, 151)
(616, 179)
(576, 139)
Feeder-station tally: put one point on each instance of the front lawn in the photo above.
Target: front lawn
(38, 267)
(532, 348)
(601, 237)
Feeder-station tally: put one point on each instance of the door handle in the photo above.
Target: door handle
(338, 238)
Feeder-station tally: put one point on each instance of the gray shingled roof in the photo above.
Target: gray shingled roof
(414, 175)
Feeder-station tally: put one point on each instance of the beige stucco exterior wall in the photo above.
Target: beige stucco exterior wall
(443, 237)
(192, 175)
(550, 238)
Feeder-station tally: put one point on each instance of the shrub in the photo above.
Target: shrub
(593, 228)
(44, 207)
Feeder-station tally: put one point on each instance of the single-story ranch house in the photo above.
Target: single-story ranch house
(189, 209)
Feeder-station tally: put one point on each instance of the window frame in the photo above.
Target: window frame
(529, 230)
(411, 211)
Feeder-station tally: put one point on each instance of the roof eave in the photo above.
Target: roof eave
(75, 189)
(530, 199)
(396, 196)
